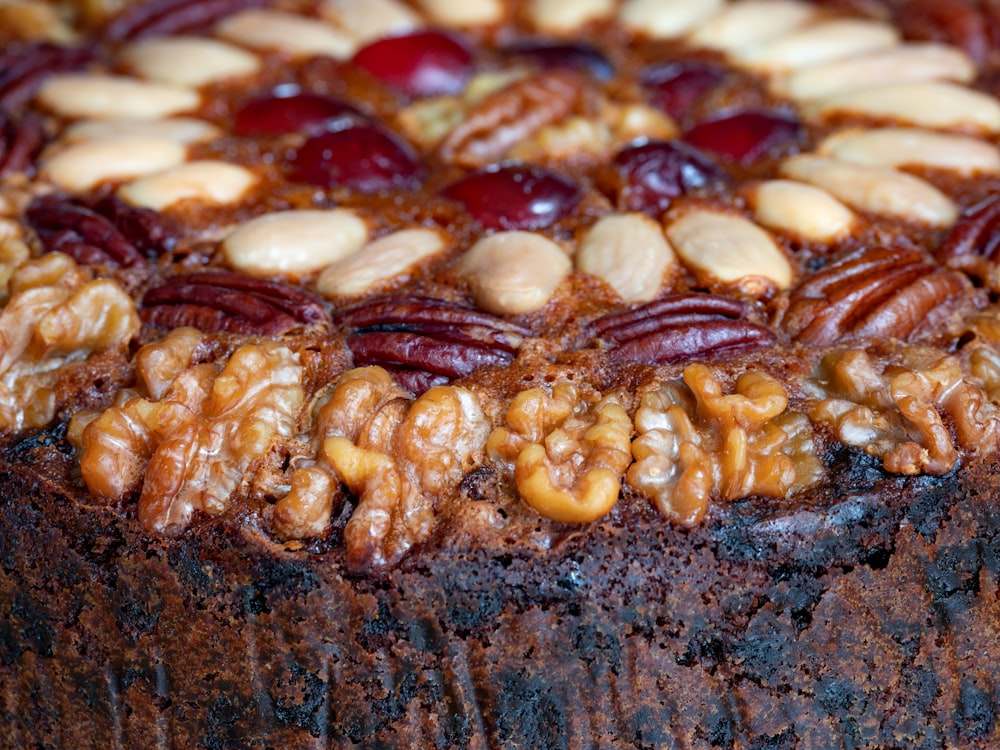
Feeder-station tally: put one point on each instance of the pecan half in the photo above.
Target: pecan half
(163, 17)
(20, 142)
(679, 327)
(424, 340)
(23, 69)
(104, 231)
(230, 302)
(511, 115)
(973, 244)
(880, 291)
(972, 25)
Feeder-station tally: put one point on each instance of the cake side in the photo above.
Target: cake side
(867, 617)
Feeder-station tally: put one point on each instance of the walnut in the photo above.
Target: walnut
(56, 316)
(914, 416)
(191, 449)
(568, 448)
(695, 441)
(398, 454)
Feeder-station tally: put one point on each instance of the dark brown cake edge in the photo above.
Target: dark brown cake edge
(871, 619)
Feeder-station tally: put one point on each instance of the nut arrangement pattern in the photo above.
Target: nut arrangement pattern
(357, 285)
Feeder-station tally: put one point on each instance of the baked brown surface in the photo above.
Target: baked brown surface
(690, 443)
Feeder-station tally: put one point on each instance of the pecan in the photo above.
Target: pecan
(881, 291)
(104, 231)
(20, 142)
(678, 327)
(163, 17)
(23, 69)
(973, 244)
(425, 339)
(230, 302)
(971, 25)
(511, 115)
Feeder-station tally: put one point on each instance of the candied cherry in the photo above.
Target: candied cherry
(577, 56)
(746, 136)
(424, 63)
(677, 86)
(279, 113)
(648, 176)
(365, 157)
(515, 196)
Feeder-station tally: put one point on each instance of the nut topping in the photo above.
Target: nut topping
(973, 245)
(165, 17)
(230, 302)
(630, 253)
(680, 327)
(881, 292)
(24, 69)
(20, 142)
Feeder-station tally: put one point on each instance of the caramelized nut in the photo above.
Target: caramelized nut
(751, 22)
(929, 104)
(385, 259)
(567, 16)
(179, 129)
(661, 19)
(876, 190)
(294, 242)
(204, 181)
(267, 29)
(514, 272)
(802, 210)
(819, 43)
(729, 248)
(466, 13)
(83, 165)
(187, 60)
(905, 63)
(370, 20)
(98, 96)
(901, 147)
(630, 253)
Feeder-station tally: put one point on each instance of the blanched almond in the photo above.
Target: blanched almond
(929, 104)
(188, 60)
(801, 209)
(564, 16)
(818, 43)
(630, 253)
(381, 260)
(464, 12)
(287, 32)
(666, 18)
(86, 164)
(294, 242)
(907, 62)
(179, 129)
(104, 96)
(751, 22)
(729, 248)
(514, 272)
(900, 147)
(371, 19)
(205, 181)
(877, 190)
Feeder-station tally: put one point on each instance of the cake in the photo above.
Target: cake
(542, 374)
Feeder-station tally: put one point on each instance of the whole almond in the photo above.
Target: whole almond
(274, 29)
(751, 22)
(661, 19)
(207, 181)
(83, 165)
(901, 147)
(188, 61)
(800, 209)
(566, 16)
(630, 253)
(98, 96)
(818, 43)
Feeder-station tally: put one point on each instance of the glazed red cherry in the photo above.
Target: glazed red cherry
(649, 176)
(365, 158)
(515, 196)
(299, 112)
(677, 86)
(578, 56)
(745, 137)
(424, 63)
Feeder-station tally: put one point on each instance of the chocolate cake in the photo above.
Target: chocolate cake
(500, 374)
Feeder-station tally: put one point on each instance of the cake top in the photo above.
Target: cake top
(370, 275)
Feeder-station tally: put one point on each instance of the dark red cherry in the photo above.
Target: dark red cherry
(649, 176)
(515, 196)
(365, 158)
(745, 137)
(578, 56)
(299, 112)
(675, 87)
(424, 63)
